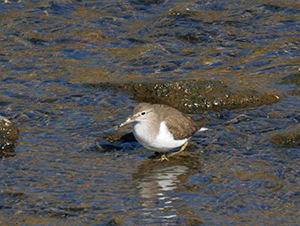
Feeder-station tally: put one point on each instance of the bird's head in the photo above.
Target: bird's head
(141, 113)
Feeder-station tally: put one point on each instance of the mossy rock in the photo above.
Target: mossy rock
(194, 96)
(8, 136)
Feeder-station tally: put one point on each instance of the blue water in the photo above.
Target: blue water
(65, 170)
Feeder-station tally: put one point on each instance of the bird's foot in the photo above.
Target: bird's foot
(163, 158)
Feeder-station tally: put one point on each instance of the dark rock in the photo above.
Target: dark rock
(238, 119)
(8, 136)
(112, 142)
(194, 96)
(103, 147)
(119, 137)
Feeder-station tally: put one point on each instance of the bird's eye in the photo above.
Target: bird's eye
(143, 113)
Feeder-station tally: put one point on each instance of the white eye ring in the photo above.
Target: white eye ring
(143, 113)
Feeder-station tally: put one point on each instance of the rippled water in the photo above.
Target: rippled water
(65, 170)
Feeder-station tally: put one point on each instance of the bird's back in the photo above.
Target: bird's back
(179, 124)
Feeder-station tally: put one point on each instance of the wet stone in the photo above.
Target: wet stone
(120, 137)
(112, 142)
(289, 138)
(194, 96)
(8, 136)
(103, 147)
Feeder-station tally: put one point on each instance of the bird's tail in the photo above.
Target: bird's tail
(201, 122)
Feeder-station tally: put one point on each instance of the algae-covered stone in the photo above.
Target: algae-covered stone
(287, 138)
(8, 136)
(194, 96)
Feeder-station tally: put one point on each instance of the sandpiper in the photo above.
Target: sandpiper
(162, 128)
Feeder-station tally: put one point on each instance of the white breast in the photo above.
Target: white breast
(162, 142)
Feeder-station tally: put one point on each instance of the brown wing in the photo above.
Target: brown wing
(179, 124)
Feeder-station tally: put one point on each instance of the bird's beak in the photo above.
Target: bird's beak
(128, 121)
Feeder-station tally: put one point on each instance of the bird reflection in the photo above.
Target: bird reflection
(159, 185)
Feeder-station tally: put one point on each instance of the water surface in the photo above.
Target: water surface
(65, 171)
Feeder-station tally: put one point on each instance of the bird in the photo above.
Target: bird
(162, 128)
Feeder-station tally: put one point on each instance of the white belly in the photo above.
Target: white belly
(162, 142)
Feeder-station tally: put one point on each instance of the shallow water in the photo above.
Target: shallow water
(65, 170)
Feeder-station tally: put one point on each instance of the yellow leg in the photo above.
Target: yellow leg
(181, 149)
(163, 158)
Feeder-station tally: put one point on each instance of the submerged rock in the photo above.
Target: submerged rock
(291, 79)
(289, 138)
(294, 80)
(194, 96)
(8, 136)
